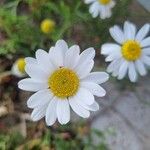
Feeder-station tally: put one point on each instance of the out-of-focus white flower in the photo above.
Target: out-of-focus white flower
(101, 7)
(62, 78)
(18, 68)
(131, 54)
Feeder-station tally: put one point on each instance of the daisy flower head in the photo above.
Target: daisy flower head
(131, 54)
(62, 79)
(47, 26)
(18, 68)
(102, 8)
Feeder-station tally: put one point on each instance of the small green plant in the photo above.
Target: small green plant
(10, 141)
(76, 137)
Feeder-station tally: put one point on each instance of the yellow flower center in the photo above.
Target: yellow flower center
(63, 83)
(131, 50)
(104, 2)
(21, 65)
(47, 26)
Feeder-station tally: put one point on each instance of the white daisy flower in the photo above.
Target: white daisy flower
(131, 54)
(18, 68)
(101, 7)
(62, 78)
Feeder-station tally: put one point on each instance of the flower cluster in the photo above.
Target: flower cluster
(62, 79)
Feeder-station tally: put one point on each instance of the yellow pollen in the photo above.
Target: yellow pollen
(104, 2)
(131, 50)
(47, 26)
(21, 65)
(63, 83)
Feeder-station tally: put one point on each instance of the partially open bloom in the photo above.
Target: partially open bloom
(62, 78)
(47, 26)
(18, 68)
(101, 7)
(131, 54)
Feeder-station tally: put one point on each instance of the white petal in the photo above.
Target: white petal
(112, 65)
(40, 53)
(38, 113)
(146, 51)
(114, 68)
(62, 46)
(123, 70)
(140, 68)
(93, 107)
(36, 72)
(85, 96)
(57, 53)
(84, 69)
(95, 13)
(117, 34)
(113, 56)
(103, 12)
(94, 88)
(129, 30)
(97, 77)
(86, 56)
(44, 60)
(132, 72)
(72, 56)
(108, 11)
(112, 4)
(94, 9)
(30, 60)
(145, 42)
(89, 1)
(110, 48)
(63, 111)
(142, 32)
(51, 115)
(40, 98)
(56, 57)
(146, 60)
(32, 85)
(78, 109)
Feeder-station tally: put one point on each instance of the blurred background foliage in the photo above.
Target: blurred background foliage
(20, 24)
(68, 137)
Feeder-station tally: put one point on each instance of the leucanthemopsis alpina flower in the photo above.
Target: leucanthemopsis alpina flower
(103, 8)
(18, 68)
(131, 55)
(62, 78)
